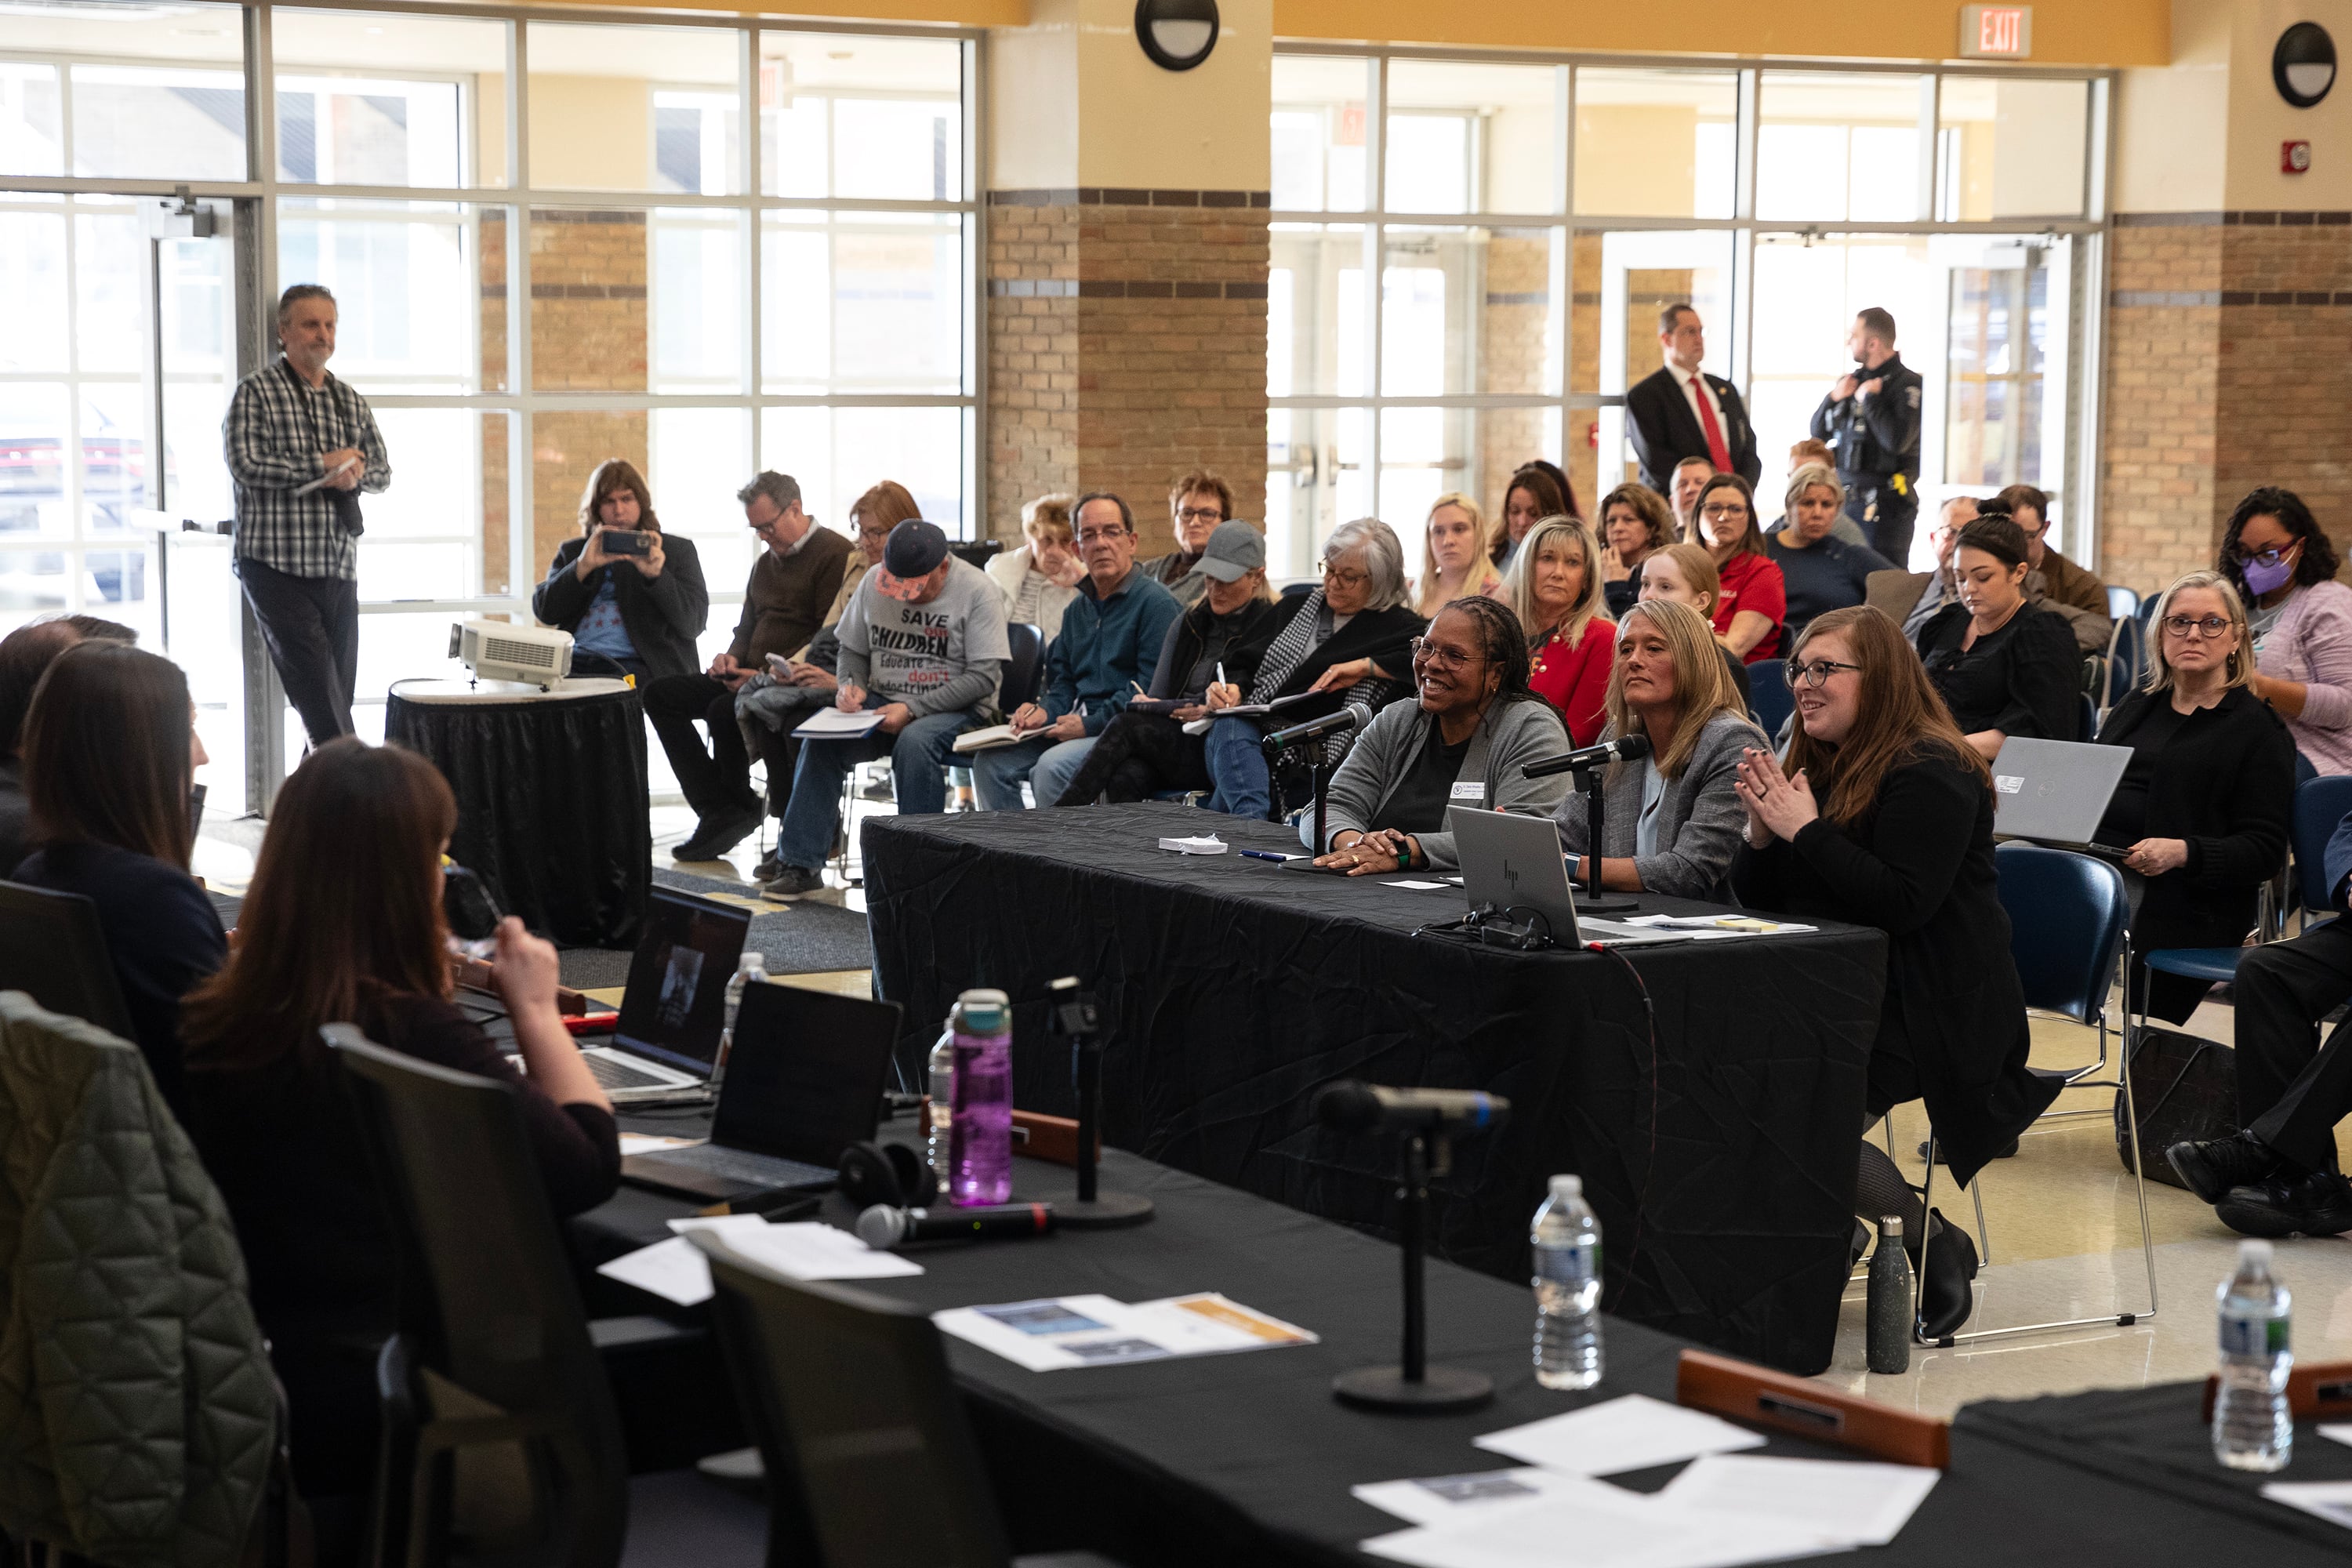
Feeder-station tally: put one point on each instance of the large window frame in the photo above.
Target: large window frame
(2076, 496)
(253, 206)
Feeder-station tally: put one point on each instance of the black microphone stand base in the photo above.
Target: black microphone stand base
(1104, 1211)
(1585, 906)
(1439, 1388)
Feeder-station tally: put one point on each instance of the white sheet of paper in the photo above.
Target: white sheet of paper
(675, 1270)
(1867, 1504)
(647, 1142)
(1417, 887)
(1590, 1524)
(1629, 1433)
(2337, 1432)
(679, 1271)
(323, 480)
(831, 723)
(1056, 1333)
(2330, 1501)
(1434, 1499)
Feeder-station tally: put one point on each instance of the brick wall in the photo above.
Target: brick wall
(2225, 370)
(1512, 329)
(1126, 345)
(588, 275)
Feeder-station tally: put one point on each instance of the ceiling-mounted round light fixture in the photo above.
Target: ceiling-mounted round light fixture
(2303, 66)
(1178, 35)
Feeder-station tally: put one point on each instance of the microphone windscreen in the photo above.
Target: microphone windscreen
(1633, 747)
(882, 1227)
(1348, 1106)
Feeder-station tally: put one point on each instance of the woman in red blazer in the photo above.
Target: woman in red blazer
(1554, 587)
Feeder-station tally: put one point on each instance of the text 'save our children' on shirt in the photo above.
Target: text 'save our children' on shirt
(921, 654)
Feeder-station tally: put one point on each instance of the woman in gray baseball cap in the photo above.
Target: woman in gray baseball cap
(1140, 753)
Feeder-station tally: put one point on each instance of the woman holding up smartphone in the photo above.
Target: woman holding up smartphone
(631, 598)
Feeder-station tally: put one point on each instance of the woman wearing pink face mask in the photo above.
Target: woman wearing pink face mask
(2275, 554)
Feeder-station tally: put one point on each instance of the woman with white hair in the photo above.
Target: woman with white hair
(1554, 589)
(1345, 639)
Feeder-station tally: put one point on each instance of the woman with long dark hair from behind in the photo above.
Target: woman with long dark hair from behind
(342, 924)
(109, 754)
(1882, 816)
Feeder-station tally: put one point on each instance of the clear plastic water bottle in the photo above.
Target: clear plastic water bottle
(2252, 1427)
(1567, 1238)
(979, 1134)
(752, 969)
(937, 1143)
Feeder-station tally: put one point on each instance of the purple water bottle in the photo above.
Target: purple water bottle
(980, 1138)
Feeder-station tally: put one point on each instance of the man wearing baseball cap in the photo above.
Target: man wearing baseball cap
(922, 642)
(1106, 652)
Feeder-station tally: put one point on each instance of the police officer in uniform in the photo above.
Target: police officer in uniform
(1871, 420)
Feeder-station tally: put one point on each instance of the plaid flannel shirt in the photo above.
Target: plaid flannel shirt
(277, 428)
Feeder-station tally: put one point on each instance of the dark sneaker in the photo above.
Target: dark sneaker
(2319, 1204)
(793, 882)
(720, 832)
(769, 869)
(2211, 1168)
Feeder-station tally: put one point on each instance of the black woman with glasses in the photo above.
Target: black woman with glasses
(2205, 802)
(2276, 555)
(1881, 815)
(2004, 666)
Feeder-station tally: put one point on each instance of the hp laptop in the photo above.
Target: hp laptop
(1516, 863)
(803, 1082)
(2056, 792)
(666, 1043)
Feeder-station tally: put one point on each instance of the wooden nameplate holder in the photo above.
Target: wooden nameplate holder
(1762, 1397)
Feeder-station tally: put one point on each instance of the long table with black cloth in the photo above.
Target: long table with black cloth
(1243, 1460)
(1718, 1147)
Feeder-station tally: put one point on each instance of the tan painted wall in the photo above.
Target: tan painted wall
(2203, 134)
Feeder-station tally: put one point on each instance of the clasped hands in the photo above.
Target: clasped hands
(1370, 854)
(1778, 806)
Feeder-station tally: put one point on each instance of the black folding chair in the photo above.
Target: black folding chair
(53, 948)
(870, 1460)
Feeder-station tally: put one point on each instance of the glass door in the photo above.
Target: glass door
(1623, 280)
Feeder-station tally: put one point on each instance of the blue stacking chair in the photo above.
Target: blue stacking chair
(2069, 924)
(1769, 697)
(2127, 653)
(2090, 719)
(2122, 604)
(2319, 805)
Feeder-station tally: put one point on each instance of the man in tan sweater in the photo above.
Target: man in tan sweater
(793, 583)
(2056, 583)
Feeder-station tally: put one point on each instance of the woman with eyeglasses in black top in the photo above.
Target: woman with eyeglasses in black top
(2205, 802)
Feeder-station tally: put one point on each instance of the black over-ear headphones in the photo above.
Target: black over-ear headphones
(888, 1173)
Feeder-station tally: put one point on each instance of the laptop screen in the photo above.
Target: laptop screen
(804, 1079)
(677, 1000)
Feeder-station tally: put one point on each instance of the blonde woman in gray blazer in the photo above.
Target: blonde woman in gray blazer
(1671, 821)
(1464, 737)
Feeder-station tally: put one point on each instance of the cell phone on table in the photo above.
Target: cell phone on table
(628, 541)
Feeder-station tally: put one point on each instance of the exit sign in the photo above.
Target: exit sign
(1996, 32)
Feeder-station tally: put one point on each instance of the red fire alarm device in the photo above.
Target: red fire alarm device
(2295, 157)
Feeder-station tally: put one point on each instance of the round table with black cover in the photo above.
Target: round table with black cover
(551, 798)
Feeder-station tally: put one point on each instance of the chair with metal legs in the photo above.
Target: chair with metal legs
(2070, 934)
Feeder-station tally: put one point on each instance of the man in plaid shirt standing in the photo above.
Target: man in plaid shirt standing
(302, 446)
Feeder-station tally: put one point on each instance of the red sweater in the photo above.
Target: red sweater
(1575, 679)
(1752, 582)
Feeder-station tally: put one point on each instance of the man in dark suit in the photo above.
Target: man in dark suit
(2279, 1177)
(1682, 411)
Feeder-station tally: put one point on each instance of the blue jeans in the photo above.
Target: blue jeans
(1238, 767)
(917, 755)
(1048, 765)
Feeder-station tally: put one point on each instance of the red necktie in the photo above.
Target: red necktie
(1716, 452)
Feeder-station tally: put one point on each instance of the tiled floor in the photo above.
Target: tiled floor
(2064, 1224)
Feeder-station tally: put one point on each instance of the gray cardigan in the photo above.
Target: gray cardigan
(1512, 735)
(1699, 816)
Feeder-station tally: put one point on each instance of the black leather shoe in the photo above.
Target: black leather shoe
(1945, 1297)
(1944, 1155)
(719, 832)
(2318, 1204)
(2212, 1167)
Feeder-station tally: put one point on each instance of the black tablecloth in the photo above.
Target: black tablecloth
(1721, 1161)
(2156, 1440)
(1247, 1459)
(551, 806)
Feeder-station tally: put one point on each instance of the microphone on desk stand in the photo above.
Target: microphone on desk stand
(1429, 1118)
(1071, 1012)
(1317, 734)
(1585, 765)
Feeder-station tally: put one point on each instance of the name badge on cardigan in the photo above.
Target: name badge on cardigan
(1468, 791)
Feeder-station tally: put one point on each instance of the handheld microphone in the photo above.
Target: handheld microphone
(883, 1227)
(1330, 724)
(1352, 1106)
(1623, 749)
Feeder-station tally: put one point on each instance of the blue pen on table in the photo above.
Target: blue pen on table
(1262, 855)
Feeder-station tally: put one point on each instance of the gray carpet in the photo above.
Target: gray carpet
(802, 938)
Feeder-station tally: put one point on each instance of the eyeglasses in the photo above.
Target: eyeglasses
(1344, 578)
(1201, 514)
(2205, 626)
(1816, 674)
(2265, 557)
(1723, 513)
(1090, 536)
(1427, 652)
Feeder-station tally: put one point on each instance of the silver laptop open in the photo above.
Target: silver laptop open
(666, 1042)
(2056, 792)
(1515, 864)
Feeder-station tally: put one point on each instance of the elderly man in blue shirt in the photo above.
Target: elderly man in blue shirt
(1105, 654)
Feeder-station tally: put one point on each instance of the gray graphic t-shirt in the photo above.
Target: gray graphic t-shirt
(913, 651)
